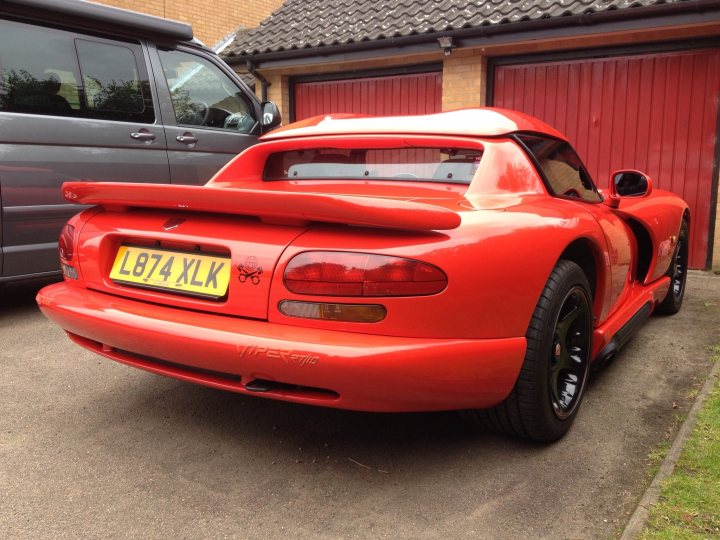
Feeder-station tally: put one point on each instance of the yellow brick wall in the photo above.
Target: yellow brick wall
(211, 21)
(463, 80)
(278, 91)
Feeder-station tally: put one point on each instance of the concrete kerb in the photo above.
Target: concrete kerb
(640, 517)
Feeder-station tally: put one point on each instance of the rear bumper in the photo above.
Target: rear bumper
(317, 367)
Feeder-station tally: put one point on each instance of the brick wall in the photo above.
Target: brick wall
(211, 21)
(464, 74)
(278, 91)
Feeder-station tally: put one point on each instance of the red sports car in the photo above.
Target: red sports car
(462, 260)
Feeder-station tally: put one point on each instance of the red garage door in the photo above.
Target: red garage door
(653, 112)
(419, 93)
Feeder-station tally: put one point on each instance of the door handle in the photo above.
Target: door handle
(143, 136)
(187, 139)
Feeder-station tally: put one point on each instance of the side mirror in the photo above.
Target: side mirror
(270, 115)
(628, 183)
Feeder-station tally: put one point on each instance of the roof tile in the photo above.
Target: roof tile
(299, 24)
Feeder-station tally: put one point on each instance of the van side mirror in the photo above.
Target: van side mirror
(270, 116)
(628, 183)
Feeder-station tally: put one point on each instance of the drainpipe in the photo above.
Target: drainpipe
(258, 76)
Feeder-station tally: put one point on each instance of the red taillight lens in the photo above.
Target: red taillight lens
(339, 273)
(66, 243)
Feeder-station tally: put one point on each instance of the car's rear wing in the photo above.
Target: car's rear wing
(270, 206)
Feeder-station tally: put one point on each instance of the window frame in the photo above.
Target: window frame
(148, 115)
(518, 138)
(253, 105)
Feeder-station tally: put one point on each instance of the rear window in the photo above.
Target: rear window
(456, 165)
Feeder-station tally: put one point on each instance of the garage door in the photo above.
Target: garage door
(418, 93)
(653, 112)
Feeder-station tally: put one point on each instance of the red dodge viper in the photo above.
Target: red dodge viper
(462, 260)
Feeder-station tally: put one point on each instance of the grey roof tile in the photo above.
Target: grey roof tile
(300, 24)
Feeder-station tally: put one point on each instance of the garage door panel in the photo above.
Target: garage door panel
(654, 112)
(619, 149)
(418, 93)
(608, 72)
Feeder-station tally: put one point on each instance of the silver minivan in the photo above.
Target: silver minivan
(94, 93)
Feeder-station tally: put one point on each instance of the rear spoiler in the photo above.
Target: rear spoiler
(283, 207)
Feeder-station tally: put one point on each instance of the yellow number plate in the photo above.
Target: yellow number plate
(189, 273)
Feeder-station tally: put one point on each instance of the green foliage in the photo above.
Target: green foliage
(123, 96)
(18, 85)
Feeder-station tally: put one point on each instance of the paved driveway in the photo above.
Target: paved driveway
(91, 448)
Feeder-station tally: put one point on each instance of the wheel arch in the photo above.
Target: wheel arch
(646, 249)
(589, 257)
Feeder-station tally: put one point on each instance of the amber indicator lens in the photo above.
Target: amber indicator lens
(340, 273)
(66, 242)
(367, 313)
(69, 271)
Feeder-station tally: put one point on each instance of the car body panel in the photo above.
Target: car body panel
(497, 239)
(316, 367)
(270, 205)
(240, 238)
(660, 215)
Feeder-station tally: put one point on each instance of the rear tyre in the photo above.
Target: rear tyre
(552, 380)
(677, 273)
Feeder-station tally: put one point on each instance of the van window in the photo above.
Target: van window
(38, 71)
(112, 83)
(40, 74)
(203, 95)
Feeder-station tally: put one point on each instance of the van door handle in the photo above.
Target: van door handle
(143, 136)
(187, 139)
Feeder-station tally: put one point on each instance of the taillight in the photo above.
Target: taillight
(66, 247)
(340, 273)
(364, 313)
(66, 243)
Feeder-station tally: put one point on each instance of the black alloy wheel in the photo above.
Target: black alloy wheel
(677, 272)
(570, 353)
(551, 384)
